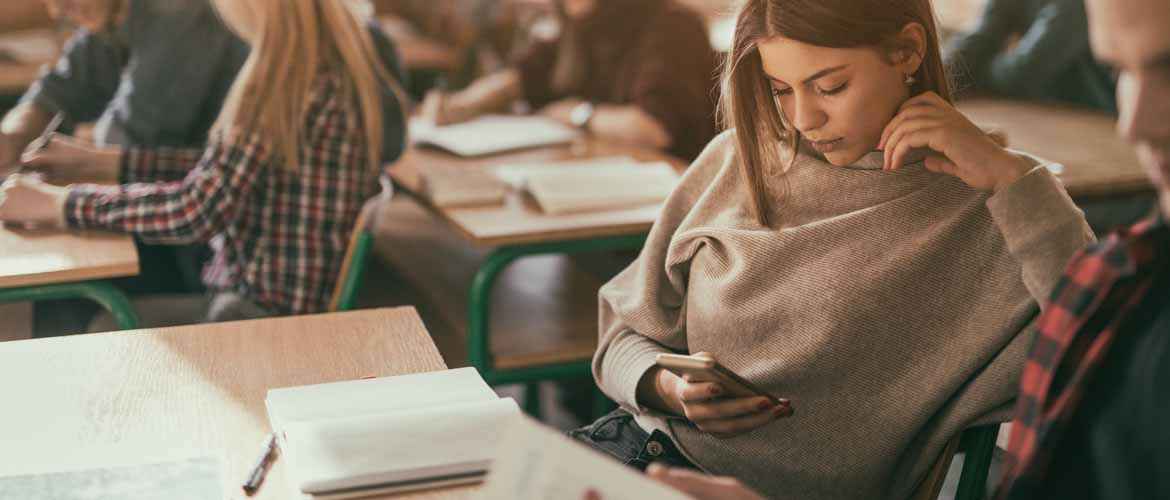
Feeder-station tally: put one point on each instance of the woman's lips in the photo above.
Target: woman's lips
(823, 147)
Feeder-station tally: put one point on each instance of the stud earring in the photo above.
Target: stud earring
(910, 80)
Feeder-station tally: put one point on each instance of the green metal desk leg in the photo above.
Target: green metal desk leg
(479, 310)
(105, 294)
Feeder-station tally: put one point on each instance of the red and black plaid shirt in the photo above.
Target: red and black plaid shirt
(279, 233)
(1100, 291)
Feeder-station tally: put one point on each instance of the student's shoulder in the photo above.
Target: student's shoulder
(718, 163)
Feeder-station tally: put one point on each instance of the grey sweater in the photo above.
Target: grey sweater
(888, 306)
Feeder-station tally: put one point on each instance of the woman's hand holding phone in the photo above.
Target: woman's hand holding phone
(705, 404)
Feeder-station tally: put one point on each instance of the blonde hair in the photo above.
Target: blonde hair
(747, 103)
(291, 41)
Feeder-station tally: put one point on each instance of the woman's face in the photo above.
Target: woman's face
(839, 100)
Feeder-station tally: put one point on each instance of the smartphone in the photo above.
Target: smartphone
(702, 367)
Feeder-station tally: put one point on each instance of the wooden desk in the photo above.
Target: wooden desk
(159, 395)
(1097, 163)
(36, 257)
(504, 234)
(519, 221)
(52, 264)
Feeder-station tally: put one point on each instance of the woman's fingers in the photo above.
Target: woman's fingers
(940, 164)
(918, 139)
(907, 127)
(432, 107)
(727, 408)
(908, 114)
(689, 392)
(734, 426)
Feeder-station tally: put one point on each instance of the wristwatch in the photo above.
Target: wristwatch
(582, 114)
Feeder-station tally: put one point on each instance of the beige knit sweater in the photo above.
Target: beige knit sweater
(888, 306)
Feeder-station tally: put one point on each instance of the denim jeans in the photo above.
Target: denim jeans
(618, 435)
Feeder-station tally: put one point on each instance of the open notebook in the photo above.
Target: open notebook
(595, 185)
(461, 186)
(492, 134)
(387, 435)
(538, 463)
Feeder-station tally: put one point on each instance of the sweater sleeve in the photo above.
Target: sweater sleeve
(1042, 226)
(643, 309)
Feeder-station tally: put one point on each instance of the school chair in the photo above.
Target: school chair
(357, 253)
(979, 445)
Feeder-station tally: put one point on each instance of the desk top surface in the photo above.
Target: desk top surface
(39, 257)
(167, 394)
(1096, 161)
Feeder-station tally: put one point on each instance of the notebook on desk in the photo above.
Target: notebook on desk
(461, 186)
(492, 134)
(388, 435)
(594, 185)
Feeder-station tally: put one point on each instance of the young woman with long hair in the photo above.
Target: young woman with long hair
(853, 245)
(296, 150)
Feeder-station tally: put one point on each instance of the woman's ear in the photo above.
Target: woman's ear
(910, 48)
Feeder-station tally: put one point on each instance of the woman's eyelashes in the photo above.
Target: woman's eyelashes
(777, 92)
(835, 90)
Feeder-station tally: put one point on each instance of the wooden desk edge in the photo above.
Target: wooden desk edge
(72, 276)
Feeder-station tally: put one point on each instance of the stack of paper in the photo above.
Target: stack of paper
(588, 188)
(492, 134)
(516, 175)
(364, 437)
(461, 186)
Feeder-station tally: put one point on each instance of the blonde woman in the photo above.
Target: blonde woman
(296, 150)
(884, 293)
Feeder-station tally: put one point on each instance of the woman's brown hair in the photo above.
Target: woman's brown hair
(747, 104)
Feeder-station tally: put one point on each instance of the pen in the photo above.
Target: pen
(43, 140)
(256, 476)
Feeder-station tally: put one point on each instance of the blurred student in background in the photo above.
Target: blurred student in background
(148, 74)
(295, 152)
(449, 43)
(1032, 49)
(637, 71)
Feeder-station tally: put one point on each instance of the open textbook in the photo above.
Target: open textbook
(492, 134)
(538, 463)
(387, 435)
(560, 187)
(600, 187)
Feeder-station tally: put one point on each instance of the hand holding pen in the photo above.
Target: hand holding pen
(62, 159)
(11, 146)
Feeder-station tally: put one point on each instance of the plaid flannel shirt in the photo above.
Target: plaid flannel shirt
(1089, 308)
(279, 233)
